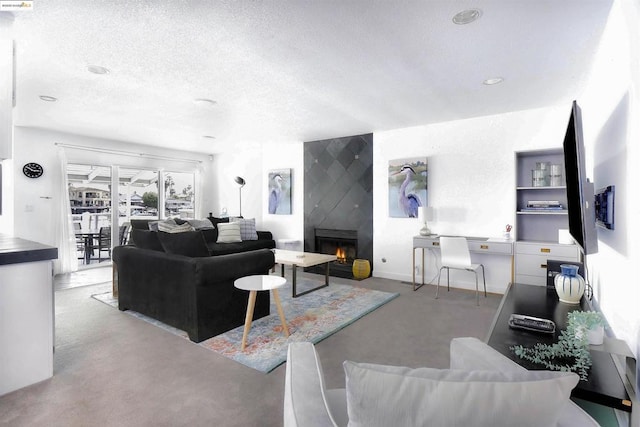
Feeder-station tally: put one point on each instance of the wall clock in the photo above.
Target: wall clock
(32, 170)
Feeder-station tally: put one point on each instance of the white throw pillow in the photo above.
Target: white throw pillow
(247, 228)
(379, 395)
(229, 233)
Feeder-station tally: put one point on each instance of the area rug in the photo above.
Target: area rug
(311, 317)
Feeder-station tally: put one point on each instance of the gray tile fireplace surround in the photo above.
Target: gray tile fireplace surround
(338, 183)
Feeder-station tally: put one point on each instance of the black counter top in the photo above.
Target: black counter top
(15, 251)
(603, 386)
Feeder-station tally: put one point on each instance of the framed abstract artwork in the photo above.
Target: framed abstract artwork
(407, 186)
(280, 192)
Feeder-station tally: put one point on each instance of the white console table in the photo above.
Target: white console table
(483, 245)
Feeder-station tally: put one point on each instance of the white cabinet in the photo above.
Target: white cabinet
(531, 260)
(539, 218)
(6, 98)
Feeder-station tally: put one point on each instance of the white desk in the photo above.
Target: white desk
(482, 245)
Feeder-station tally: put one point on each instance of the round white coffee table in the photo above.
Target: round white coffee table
(256, 283)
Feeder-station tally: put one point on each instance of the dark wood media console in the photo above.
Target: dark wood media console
(604, 385)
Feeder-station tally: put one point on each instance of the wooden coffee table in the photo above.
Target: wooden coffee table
(303, 259)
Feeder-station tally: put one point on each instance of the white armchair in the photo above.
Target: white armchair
(482, 386)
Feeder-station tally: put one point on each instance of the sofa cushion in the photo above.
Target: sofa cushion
(153, 225)
(215, 221)
(200, 224)
(379, 395)
(210, 234)
(170, 226)
(247, 228)
(146, 239)
(188, 243)
(229, 233)
(232, 248)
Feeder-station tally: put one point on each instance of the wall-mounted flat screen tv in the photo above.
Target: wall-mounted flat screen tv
(580, 197)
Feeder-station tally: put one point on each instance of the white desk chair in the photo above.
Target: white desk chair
(454, 253)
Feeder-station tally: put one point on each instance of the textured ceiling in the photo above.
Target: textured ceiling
(292, 70)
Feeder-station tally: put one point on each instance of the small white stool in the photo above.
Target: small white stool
(256, 283)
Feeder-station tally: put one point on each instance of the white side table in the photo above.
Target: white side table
(256, 283)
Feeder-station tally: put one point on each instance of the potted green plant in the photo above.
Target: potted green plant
(571, 352)
(590, 322)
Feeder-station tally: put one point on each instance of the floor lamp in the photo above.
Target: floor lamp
(241, 182)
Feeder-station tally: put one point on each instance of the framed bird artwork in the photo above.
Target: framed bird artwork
(279, 202)
(408, 187)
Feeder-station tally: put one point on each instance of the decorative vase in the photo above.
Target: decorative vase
(361, 269)
(569, 284)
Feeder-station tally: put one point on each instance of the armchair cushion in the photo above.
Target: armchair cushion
(379, 395)
(308, 403)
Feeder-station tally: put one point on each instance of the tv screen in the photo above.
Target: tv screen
(580, 197)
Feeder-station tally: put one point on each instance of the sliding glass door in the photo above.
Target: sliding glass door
(91, 200)
(179, 195)
(138, 196)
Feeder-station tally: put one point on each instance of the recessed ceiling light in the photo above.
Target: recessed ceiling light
(466, 16)
(208, 136)
(97, 69)
(48, 98)
(204, 101)
(493, 81)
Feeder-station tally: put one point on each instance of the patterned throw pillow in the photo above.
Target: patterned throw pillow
(247, 228)
(229, 233)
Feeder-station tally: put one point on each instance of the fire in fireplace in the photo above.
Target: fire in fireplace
(342, 243)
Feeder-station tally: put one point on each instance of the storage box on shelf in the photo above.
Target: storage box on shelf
(540, 214)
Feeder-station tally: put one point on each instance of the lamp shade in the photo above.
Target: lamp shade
(425, 213)
(240, 181)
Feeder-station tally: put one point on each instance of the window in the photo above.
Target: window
(179, 195)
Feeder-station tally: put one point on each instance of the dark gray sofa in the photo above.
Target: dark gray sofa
(194, 294)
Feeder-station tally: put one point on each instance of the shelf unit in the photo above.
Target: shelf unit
(537, 231)
(539, 226)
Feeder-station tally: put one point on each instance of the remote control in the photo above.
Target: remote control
(530, 323)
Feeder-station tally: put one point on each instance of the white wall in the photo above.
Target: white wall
(288, 155)
(33, 199)
(248, 165)
(254, 165)
(471, 183)
(610, 111)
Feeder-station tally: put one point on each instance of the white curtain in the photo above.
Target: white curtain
(67, 261)
(199, 208)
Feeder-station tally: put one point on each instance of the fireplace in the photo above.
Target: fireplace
(341, 243)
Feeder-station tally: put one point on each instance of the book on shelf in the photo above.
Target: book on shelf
(543, 202)
(543, 209)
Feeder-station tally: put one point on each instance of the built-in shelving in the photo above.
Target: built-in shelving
(539, 224)
(537, 230)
